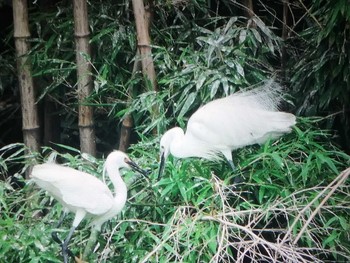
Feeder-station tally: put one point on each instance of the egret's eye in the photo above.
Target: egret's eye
(126, 160)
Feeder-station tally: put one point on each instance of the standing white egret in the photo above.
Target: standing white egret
(223, 125)
(84, 194)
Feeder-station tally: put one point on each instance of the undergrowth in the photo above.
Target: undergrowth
(287, 202)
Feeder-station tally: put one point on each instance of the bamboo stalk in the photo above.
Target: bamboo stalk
(81, 31)
(30, 119)
(128, 123)
(142, 20)
(144, 41)
(250, 12)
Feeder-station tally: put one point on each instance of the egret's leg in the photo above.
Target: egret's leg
(230, 162)
(238, 179)
(228, 155)
(79, 215)
(54, 233)
(65, 250)
(161, 166)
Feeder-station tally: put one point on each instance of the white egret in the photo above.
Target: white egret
(223, 125)
(84, 194)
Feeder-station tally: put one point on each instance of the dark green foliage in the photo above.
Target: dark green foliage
(113, 45)
(203, 64)
(201, 51)
(199, 210)
(320, 68)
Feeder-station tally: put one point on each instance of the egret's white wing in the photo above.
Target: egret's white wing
(236, 121)
(74, 188)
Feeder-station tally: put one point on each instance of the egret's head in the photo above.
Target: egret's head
(118, 159)
(165, 144)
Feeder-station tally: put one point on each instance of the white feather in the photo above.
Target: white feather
(222, 125)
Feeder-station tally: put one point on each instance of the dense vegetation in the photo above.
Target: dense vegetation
(198, 212)
(270, 209)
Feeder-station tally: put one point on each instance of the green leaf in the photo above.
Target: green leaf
(188, 103)
(214, 88)
(262, 190)
(277, 158)
(240, 69)
(200, 81)
(330, 240)
(183, 191)
(256, 34)
(242, 36)
(325, 159)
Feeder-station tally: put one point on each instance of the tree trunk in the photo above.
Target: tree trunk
(86, 123)
(250, 12)
(30, 120)
(142, 20)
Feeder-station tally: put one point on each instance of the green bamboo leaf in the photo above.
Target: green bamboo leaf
(325, 159)
(230, 24)
(262, 191)
(256, 34)
(188, 103)
(242, 36)
(199, 83)
(68, 148)
(329, 241)
(277, 158)
(225, 85)
(344, 223)
(214, 88)
(183, 191)
(240, 69)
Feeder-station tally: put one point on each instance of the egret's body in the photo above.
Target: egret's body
(84, 194)
(229, 123)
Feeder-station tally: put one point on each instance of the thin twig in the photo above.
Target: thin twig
(342, 177)
(288, 234)
(311, 15)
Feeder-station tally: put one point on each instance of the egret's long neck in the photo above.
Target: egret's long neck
(120, 195)
(120, 189)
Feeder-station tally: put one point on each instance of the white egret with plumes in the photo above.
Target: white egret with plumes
(223, 125)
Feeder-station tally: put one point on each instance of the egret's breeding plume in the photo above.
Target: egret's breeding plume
(241, 119)
(84, 194)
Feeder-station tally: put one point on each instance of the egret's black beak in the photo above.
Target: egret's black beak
(137, 168)
(161, 164)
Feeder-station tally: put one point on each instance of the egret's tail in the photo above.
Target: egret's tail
(283, 121)
(279, 123)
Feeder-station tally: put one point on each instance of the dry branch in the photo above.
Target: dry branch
(248, 232)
